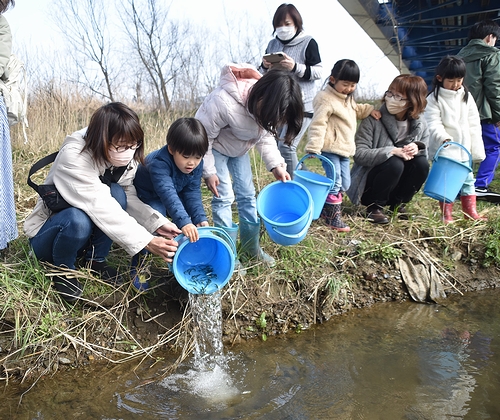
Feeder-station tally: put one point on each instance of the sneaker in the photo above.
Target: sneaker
(377, 216)
(69, 288)
(106, 273)
(486, 194)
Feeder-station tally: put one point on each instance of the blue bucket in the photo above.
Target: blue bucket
(204, 266)
(317, 185)
(286, 209)
(447, 176)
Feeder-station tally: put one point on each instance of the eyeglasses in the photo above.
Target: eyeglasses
(389, 94)
(120, 149)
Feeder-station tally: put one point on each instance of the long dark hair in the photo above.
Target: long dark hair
(114, 121)
(275, 101)
(450, 67)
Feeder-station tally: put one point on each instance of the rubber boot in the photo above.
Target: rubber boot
(335, 219)
(446, 212)
(249, 241)
(469, 207)
(233, 233)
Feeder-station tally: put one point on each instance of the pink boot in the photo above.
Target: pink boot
(446, 212)
(469, 207)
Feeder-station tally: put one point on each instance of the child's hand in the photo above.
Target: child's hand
(376, 114)
(190, 232)
(281, 174)
(202, 224)
(212, 182)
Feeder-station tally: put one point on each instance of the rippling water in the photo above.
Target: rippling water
(392, 361)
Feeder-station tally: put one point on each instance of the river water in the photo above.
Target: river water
(391, 361)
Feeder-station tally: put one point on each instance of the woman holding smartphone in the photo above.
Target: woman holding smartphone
(299, 54)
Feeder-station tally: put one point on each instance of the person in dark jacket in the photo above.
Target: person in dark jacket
(170, 181)
(482, 61)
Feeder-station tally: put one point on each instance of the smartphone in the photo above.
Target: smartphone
(274, 58)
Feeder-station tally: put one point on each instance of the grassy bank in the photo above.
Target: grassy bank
(324, 275)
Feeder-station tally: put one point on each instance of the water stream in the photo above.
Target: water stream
(391, 361)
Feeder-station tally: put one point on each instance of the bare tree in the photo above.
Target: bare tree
(157, 43)
(244, 40)
(85, 27)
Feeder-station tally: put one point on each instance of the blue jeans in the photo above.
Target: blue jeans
(289, 152)
(487, 168)
(468, 187)
(235, 177)
(342, 176)
(67, 234)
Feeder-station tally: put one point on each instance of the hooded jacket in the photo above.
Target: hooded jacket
(333, 126)
(451, 118)
(375, 140)
(231, 129)
(483, 78)
(76, 176)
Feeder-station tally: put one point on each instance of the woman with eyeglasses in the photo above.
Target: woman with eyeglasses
(390, 163)
(94, 173)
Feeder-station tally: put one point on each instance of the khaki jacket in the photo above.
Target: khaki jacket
(333, 126)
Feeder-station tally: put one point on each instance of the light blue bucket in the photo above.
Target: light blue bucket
(204, 266)
(317, 185)
(447, 176)
(286, 209)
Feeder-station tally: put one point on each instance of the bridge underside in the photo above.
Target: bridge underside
(416, 34)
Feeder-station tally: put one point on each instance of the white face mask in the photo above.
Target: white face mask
(395, 107)
(285, 33)
(120, 158)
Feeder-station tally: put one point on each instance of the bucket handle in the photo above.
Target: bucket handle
(324, 159)
(449, 143)
(217, 231)
(302, 232)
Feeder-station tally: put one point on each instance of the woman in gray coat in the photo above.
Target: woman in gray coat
(390, 163)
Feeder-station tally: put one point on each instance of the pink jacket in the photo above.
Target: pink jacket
(231, 129)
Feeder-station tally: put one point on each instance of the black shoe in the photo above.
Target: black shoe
(106, 273)
(69, 288)
(486, 194)
(377, 216)
(401, 211)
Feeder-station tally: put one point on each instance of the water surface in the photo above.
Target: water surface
(391, 361)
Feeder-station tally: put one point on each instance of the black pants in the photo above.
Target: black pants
(395, 181)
